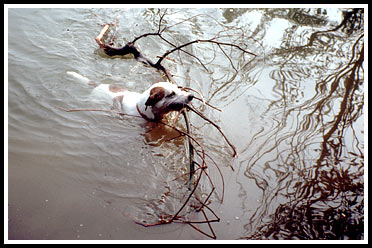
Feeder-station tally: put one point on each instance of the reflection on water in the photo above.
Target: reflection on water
(314, 150)
(295, 113)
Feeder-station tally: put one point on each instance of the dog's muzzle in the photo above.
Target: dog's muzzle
(178, 105)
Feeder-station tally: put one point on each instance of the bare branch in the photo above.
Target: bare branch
(235, 154)
(227, 41)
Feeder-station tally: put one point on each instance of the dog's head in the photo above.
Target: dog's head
(164, 97)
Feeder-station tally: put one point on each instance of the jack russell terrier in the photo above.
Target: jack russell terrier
(152, 105)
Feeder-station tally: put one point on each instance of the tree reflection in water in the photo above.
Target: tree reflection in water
(319, 157)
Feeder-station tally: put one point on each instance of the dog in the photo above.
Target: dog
(152, 105)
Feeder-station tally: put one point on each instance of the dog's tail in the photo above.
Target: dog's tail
(82, 78)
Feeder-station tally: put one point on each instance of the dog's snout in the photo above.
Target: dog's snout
(190, 97)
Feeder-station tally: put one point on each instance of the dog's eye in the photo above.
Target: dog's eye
(171, 94)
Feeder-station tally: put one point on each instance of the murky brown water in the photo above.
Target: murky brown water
(295, 114)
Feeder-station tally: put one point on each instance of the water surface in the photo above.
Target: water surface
(295, 113)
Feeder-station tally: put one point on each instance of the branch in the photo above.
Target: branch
(205, 41)
(235, 154)
(131, 48)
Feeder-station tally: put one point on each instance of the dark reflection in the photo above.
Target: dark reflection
(300, 16)
(315, 148)
(230, 14)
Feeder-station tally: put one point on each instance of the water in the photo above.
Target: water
(295, 114)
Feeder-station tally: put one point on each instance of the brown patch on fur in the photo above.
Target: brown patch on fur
(156, 94)
(115, 88)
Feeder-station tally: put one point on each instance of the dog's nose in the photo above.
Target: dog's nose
(190, 97)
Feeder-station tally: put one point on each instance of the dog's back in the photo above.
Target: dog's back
(105, 89)
(110, 93)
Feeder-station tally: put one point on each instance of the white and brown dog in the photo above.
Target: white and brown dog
(152, 105)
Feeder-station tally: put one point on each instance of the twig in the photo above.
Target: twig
(219, 171)
(200, 41)
(235, 154)
(191, 149)
(200, 99)
(207, 103)
(101, 34)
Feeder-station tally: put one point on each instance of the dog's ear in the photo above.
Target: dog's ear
(156, 94)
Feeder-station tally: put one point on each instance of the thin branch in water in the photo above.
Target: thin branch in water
(200, 99)
(235, 154)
